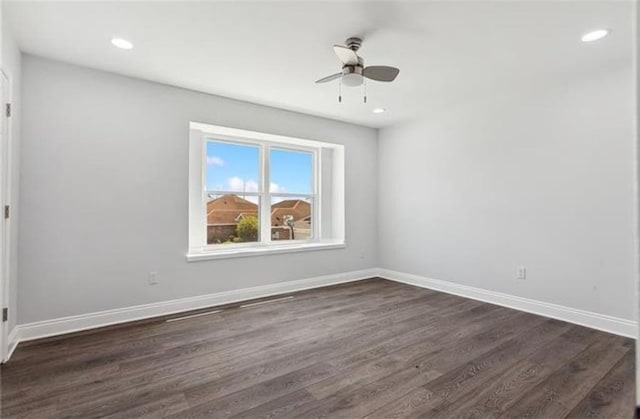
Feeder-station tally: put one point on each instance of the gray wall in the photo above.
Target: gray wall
(104, 193)
(542, 177)
(11, 63)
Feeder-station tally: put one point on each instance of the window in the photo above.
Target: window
(255, 193)
(293, 193)
(233, 198)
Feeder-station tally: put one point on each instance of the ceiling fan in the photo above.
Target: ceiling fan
(353, 69)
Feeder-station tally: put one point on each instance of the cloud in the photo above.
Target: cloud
(275, 188)
(237, 184)
(214, 161)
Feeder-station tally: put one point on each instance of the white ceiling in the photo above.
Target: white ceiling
(272, 52)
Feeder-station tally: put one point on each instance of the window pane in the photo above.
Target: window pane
(291, 219)
(290, 171)
(232, 181)
(232, 167)
(232, 219)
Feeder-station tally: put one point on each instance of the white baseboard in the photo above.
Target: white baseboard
(615, 325)
(13, 342)
(60, 326)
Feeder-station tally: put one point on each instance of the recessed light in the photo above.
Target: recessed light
(594, 35)
(379, 110)
(122, 43)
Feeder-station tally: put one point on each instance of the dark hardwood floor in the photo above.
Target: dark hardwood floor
(373, 348)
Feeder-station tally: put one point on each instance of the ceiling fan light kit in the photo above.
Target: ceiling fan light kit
(354, 73)
(352, 76)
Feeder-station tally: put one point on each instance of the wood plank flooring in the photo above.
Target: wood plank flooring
(374, 349)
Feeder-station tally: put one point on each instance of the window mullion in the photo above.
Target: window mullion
(265, 199)
(315, 207)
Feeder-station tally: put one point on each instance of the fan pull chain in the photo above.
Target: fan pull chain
(340, 91)
(365, 90)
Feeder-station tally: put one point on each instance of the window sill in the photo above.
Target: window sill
(194, 256)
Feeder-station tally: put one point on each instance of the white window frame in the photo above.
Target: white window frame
(199, 249)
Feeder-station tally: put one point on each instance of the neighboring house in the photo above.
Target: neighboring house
(224, 213)
(228, 208)
(297, 208)
(301, 213)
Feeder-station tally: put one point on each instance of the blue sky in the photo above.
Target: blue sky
(235, 167)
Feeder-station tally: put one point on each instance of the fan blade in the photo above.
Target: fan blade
(381, 73)
(329, 78)
(346, 55)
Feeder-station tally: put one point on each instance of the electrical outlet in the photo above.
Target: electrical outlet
(522, 272)
(153, 278)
